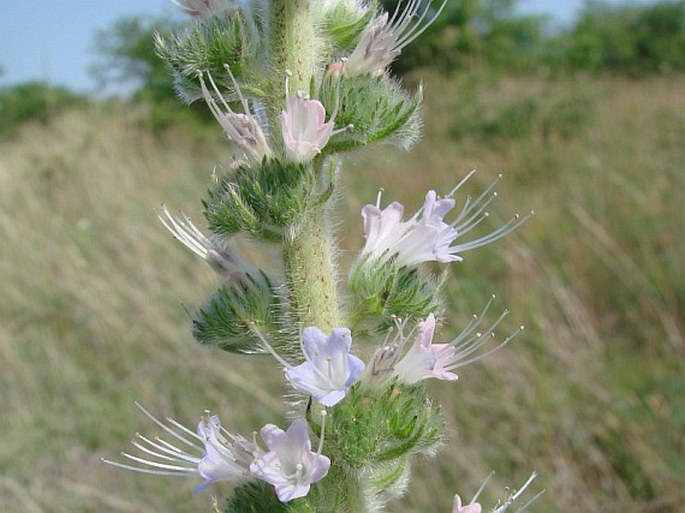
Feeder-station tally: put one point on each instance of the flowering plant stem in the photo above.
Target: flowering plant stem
(311, 275)
(307, 253)
(293, 41)
(295, 84)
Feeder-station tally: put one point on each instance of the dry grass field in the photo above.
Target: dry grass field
(591, 395)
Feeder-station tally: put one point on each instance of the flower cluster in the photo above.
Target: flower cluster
(216, 455)
(327, 375)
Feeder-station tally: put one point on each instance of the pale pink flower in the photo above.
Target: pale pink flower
(426, 237)
(329, 370)
(290, 465)
(224, 259)
(304, 127)
(384, 38)
(424, 359)
(240, 128)
(502, 505)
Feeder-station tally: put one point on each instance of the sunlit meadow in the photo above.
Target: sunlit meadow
(591, 395)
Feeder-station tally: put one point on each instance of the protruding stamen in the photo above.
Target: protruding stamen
(268, 346)
(236, 87)
(324, 414)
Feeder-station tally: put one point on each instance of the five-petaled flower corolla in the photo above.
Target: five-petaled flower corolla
(290, 465)
(304, 127)
(457, 507)
(329, 370)
(212, 452)
(384, 38)
(426, 237)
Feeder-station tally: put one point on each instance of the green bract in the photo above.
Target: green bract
(376, 108)
(227, 321)
(266, 200)
(373, 432)
(383, 292)
(343, 22)
(207, 47)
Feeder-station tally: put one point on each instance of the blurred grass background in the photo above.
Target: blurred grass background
(591, 395)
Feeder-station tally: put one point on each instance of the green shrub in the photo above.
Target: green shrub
(35, 101)
(628, 38)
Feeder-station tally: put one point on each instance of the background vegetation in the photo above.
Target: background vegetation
(591, 396)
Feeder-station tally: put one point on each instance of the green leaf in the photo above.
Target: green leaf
(376, 108)
(227, 320)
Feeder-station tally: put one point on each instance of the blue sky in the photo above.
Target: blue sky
(53, 40)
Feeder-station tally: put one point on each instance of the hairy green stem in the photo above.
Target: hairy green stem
(309, 251)
(294, 45)
(311, 275)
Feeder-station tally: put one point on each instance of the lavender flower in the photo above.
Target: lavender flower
(329, 370)
(242, 129)
(425, 360)
(219, 455)
(290, 465)
(383, 39)
(305, 131)
(426, 236)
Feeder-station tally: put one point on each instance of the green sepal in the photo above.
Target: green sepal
(338, 492)
(389, 479)
(335, 494)
(227, 321)
(343, 23)
(387, 291)
(255, 497)
(266, 199)
(207, 47)
(376, 108)
(373, 427)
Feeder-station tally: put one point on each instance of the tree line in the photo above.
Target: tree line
(624, 38)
